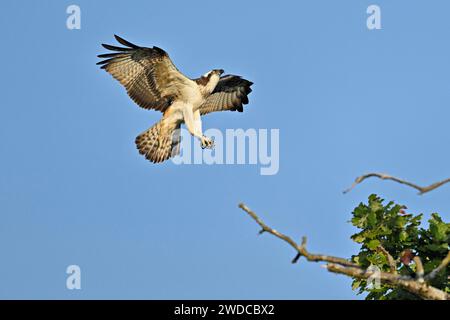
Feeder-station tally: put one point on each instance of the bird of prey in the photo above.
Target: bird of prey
(153, 82)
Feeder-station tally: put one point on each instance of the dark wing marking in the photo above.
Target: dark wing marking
(230, 94)
(149, 76)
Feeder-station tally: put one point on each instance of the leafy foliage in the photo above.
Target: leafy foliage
(389, 228)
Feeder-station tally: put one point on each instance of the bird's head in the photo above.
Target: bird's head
(213, 72)
(210, 79)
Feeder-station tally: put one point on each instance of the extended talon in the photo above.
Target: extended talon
(207, 143)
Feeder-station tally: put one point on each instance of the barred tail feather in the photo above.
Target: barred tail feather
(160, 142)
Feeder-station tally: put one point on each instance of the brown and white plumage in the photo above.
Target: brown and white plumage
(230, 94)
(153, 82)
(160, 142)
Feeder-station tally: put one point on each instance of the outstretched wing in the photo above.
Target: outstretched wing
(149, 76)
(230, 94)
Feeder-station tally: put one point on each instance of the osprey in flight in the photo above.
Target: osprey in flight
(153, 82)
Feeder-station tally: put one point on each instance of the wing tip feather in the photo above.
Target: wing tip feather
(125, 42)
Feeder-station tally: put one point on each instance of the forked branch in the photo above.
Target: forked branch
(301, 249)
(417, 286)
(384, 176)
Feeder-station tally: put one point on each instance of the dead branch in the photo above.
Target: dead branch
(444, 263)
(301, 249)
(391, 260)
(384, 176)
(420, 289)
(419, 269)
(344, 266)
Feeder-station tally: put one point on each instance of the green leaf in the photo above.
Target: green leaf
(356, 284)
(403, 236)
(371, 219)
(373, 244)
(359, 238)
(398, 232)
(438, 228)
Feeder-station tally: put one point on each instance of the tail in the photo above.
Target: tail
(160, 142)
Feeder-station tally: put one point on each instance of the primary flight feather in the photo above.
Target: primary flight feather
(153, 82)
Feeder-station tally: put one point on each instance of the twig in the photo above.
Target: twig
(391, 261)
(419, 268)
(384, 176)
(444, 263)
(301, 249)
(420, 289)
(343, 266)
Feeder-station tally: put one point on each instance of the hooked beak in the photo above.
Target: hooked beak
(220, 71)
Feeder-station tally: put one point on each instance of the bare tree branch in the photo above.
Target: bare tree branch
(419, 269)
(444, 263)
(384, 176)
(421, 289)
(346, 267)
(300, 248)
(392, 264)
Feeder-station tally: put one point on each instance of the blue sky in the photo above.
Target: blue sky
(74, 190)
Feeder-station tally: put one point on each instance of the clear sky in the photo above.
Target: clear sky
(347, 100)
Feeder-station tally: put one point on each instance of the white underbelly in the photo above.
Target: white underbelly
(176, 110)
(189, 100)
(192, 95)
